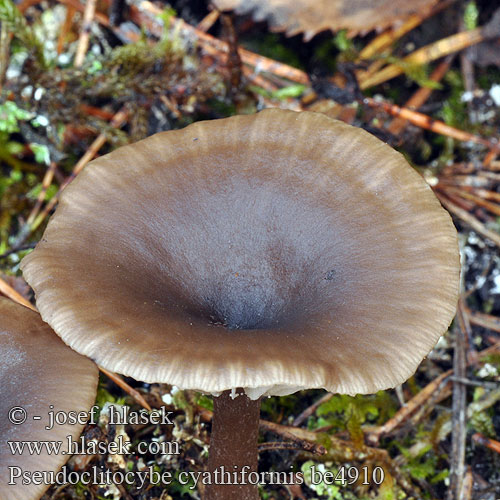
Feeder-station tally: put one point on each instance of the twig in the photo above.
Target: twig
(467, 485)
(429, 123)
(388, 37)
(306, 444)
(130, 390)
(420, 96)
(426, 54)
(474, 383)
(208, 21)
(260, 63)
(419, 400)
(483, 193)
(467, 68)
(457, 455)
(468, 219)
(484, 441)
(484, 320)
(116, 122)
(344, 451)
(83, 41)
(46, 182)
(63, 33)
(490, 158)
(25, 4)
(406, 411)
(28, 246)
(311, 409)
(494, 208)
(5, 38)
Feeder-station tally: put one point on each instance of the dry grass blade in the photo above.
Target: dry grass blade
(14, 295)
(208, 21)
(130, 390)
(387, 38)
(420, 96)
(83, 41)
(425, 55)
(46, 183)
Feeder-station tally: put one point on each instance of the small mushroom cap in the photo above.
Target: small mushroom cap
(312, 16)
(37, 370)
(274, 252)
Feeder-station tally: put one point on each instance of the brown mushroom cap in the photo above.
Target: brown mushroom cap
(312, 16)
(274, 252)
(37, 370)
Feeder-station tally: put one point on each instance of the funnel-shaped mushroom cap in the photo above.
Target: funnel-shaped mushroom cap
(277, 252)
(313, 16)
(38, 374)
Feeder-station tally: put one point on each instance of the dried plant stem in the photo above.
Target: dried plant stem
(311, 409)
(429, 123)
(12, 294)
(484, 441)
(425, 55)
(116, 122)
(208, 21)
(494, 208)
(459, 405)
(468, 219)
(484, 320)
(262, 63)
(419, 400)
(65, 28)
(5, 38)
(46, 182)
(420, 96)
(83, 41)
(130, 390)
(388, 37)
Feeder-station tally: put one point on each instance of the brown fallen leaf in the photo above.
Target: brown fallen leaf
(313, 16)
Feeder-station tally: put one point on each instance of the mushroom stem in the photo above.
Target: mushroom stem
(233, 453)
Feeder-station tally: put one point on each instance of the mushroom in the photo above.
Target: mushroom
(313, 16)
(41, 377)
(257, 254)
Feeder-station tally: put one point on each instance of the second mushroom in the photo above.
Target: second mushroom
(250, 256)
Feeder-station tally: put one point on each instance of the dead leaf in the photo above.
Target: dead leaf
(313, 16)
